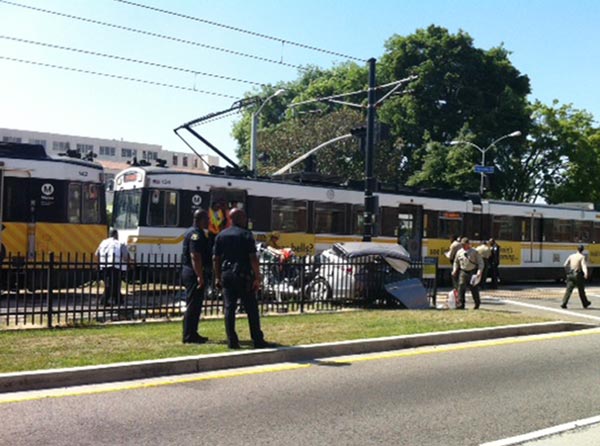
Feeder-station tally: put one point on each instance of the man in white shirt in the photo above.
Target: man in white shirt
(577, 272)
(112, 258)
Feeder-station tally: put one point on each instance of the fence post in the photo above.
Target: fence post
(49, 294)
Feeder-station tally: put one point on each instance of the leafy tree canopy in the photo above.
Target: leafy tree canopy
(460, 93)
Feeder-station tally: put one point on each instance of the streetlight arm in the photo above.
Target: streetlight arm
(469, 143)
(510, 135)
(254, 130)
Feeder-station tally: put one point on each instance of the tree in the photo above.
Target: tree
(460, 92)
(564, 154)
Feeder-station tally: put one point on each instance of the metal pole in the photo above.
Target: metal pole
(253, 140)
(369, 155)
(481, 184)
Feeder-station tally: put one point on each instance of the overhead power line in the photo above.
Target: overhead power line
(153, 34)
(240, 30)
(336, 97)
(117, 76)
(127, 59)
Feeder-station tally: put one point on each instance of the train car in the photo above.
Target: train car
(154, 205)
(50, 204)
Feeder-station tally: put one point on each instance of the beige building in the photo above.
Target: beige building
(113, 154)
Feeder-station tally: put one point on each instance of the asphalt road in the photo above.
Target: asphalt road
(456, 395)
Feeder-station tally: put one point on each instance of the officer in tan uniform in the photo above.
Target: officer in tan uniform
(577, 272)
(468, 268)
(485, 252)
(451, 254)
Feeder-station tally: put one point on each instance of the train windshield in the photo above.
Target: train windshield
(126, 209)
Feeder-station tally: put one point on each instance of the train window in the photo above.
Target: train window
(389, 221)
(358, 220)
(16, 200)
(472, 226)
(430, 219)
(503, 227)
(450, 224)
(171, 208)
(289, 215)
(524, 228)
(259, 212)
(562, 230)
(330, 218)
(74, 203)
(582, 231)
(596, 232)
(91, 204)
(126, 209)
(163, 208)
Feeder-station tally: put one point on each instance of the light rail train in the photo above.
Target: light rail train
(49, 204)
(153, 205)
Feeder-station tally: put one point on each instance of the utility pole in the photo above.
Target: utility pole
(370, 183)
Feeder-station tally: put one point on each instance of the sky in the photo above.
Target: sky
(554, 42)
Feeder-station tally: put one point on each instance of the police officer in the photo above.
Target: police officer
(237, 271)
(195, 261)
(494, 263)
(485, 252)
(451, 254)
(468, 268)
(577, 272)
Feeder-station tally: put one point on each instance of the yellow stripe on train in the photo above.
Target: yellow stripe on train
(60, 238)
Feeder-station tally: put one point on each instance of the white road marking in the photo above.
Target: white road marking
(554, 310)
(561, 428)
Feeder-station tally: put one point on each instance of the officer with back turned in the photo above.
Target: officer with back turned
(468, 268)
(577, 271)
(195, 261)
(237, 271)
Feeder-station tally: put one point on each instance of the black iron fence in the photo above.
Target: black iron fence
(55, 291)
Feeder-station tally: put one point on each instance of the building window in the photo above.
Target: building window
(85, 148)
(195, 163)
(107, 151)
(39, 142)
(174, 160)
(61, 145)
(11, 139)
(184, 161)
(128, 153)
(149, 155)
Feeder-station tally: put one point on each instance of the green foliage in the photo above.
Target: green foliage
(460, 93)
(565, 151)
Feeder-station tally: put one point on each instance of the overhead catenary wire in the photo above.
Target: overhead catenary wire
(127, 59)
(153, 34)
(117, 76)
(335, 97)
(240, 30)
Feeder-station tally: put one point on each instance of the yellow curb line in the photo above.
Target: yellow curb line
(118, 387)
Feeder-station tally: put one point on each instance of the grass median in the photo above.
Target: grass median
(69, 347)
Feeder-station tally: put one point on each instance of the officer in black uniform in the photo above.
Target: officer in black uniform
(195, 261)
(237, 271)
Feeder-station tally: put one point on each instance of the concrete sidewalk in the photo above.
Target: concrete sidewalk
(44, 379)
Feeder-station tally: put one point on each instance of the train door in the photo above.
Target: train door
(410, 228)
(228, 199)
(531, 231)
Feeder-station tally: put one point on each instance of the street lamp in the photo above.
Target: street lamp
(510, 135)
(254, 129)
